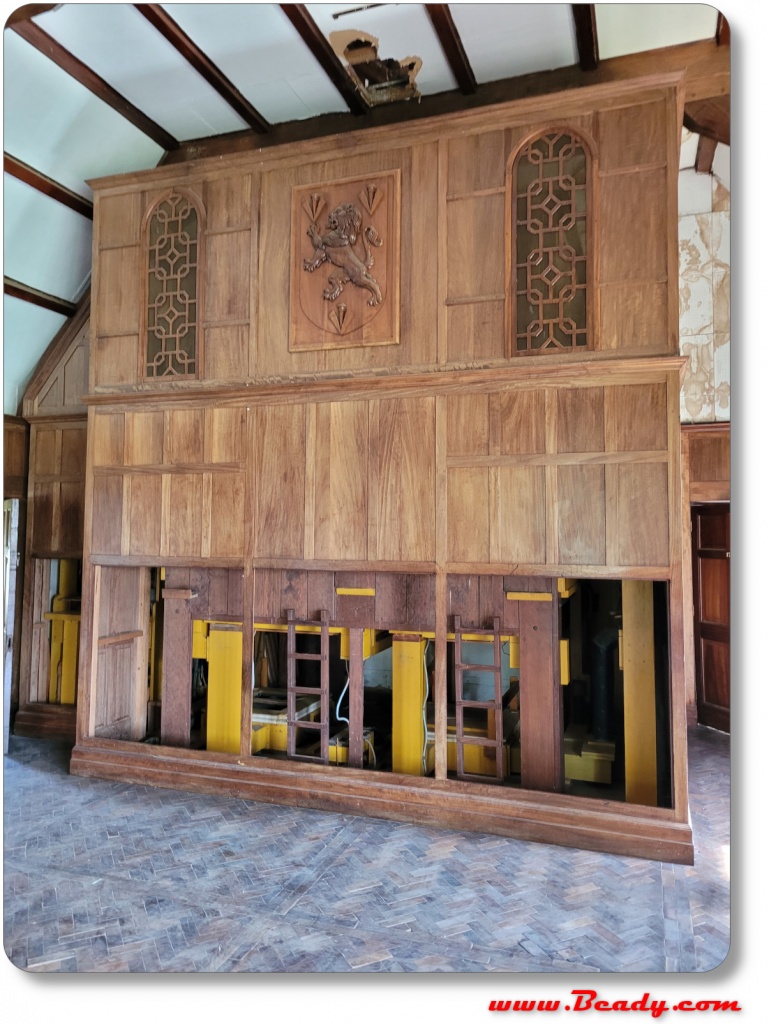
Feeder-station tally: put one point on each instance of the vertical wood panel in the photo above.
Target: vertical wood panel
(143, 438)
(185, 511)
(341, 469)
(522, 515)
(639, 417)
(522, 423)
(183, 436)
(642, 510)
(468, 515)
(146, 504)
(581, 515)
(227, 529)
(177, 663)
(279, 469)
(467, 420)
(107, 515)
(541, 701)
(580, 420)
(406, 475)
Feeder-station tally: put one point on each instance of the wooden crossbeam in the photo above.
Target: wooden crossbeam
(49, 187)
(587, 35)
(709, 117)
(723, 32)
(17, 290)
(26, 12)
(191, 52)
(452, 46)
(68, 62)
(706, 150)
(321, 50)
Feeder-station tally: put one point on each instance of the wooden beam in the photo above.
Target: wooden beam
(706, 150)
(27, 12)
(47, 186)
(723, 32)
(17, 290)
(452, 46)
(67, 61)
(705, 65)
(587, 35)
(204, 66)
(321, 50)
(709, 117)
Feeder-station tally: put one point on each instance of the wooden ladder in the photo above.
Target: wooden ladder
(294, 723)
(492, 707)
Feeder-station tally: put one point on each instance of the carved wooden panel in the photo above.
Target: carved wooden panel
(345, 263)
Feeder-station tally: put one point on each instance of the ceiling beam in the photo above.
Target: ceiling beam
(47, 186)
(27, 12)
(706, 150)
(706, 69)
(587, 35)
(17, 290)
(204, 66)
(67, 61)
(321, 50)
(452, 46)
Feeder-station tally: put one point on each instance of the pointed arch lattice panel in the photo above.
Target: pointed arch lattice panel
(173, 315)
(551, 204)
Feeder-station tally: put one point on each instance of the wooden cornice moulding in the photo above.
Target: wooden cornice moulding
(357, 141)
(513, 373)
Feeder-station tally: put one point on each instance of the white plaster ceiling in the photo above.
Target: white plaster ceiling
(58, 127)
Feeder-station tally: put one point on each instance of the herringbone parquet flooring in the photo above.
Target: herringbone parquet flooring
(104, 876)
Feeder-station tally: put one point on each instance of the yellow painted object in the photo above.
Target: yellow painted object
(339, 747)
(566, 587)
(586, 760)
(65, 644)
(199, 639)
(225, 670)
(155, 655)
(356, 591)
(371, 644)
(524, 595)
(564, 649)
(476, 762)
(409, 689)
(639, 687)
(269, 724)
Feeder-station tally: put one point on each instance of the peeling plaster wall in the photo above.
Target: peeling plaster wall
(704, 271)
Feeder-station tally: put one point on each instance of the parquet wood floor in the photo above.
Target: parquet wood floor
(104, 876)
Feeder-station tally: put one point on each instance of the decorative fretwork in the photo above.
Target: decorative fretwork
(173, 315)
(551, 201)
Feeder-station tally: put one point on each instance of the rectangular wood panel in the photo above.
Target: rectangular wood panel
(228, 276)
(522, 514)
(632, 135)
(467, 421)
(642, 512)
(118, 296)
(185, 514)
(477, 162)
(227, 515)
(108, 439)
(468, 515)
(145, 518)
(580, 420)
(279, 455)
(226, 352)
(183, 437)
(476, 330)
(406, 474)
(634, 315)
(341, 475)
(225, 440)
(70, 517)
(639, 200)
(476, 246)
(638, 417)
(73, 442)
(107, 514)
(228, 202)
(581, 515)
(115, 360)
(143, 438)
(518, 422)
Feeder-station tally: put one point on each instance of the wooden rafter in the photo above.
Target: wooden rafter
(587, 35)
(67, 61)
(321, 49)
(181, 42)
(17, 290)
(452, 46)
(27, 12)
(47, 186)
(723, 32)
(706, 67)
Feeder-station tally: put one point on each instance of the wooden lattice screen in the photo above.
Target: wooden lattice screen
(551, 209)
(173, 242)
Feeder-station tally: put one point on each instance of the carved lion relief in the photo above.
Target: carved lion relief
(345, 263)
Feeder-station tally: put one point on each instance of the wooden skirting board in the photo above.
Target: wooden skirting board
(526, 815)
(45, 721)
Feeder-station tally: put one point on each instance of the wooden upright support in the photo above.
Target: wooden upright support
(639, 686)
(176, 704)
(541, 699)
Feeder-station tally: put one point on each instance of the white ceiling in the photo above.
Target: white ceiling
(58, 127)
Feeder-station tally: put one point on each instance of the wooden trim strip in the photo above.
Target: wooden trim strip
(555, 459)
(525, 595)
(321, 50)
(213, 467)
(115, 639)
(47, 186)
(17, 290)
(519, 374)
(54, 51)
(205, 67)
(452, 46)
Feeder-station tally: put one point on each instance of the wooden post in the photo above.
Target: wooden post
(541, 701)
(638, 672)
(176, 703)
(355, 756)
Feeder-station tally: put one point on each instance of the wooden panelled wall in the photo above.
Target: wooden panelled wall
(435, 452)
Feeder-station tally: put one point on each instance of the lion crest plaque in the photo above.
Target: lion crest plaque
(345, 263)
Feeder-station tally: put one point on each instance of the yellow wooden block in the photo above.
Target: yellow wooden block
(225, 671)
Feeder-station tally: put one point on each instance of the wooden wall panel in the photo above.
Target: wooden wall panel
(146, 514)
(183, 435)
(341, 480)
(634, 315)
(279, 457)
(225, 435)
(44, 505)
(228, 276)
(143, 438)
(115, 360)
(69, 536)
(476, 330)
(227, 529)
(119, 292)
(107, 518)
(15, 457)
(631, 136)
(183, 517)
(639, 200)
(73, 445)
(468, 515)
(582, 515)
(46, 451)
(226, 353)
(522, 514)
(518, 422)
(638, 417)
(406, 474)
(477, 162)
(467, 421)
(580, 421)
(119, 220)
(57, 488)
(642, 512)
(108, 435)
(227, 202)
(476, 246)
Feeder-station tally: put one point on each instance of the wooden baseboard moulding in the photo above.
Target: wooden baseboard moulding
(588, 824)
(46, 721)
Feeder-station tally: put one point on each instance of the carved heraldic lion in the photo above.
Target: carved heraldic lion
(337, 247)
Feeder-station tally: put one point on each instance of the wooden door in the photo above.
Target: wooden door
(710, 553)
